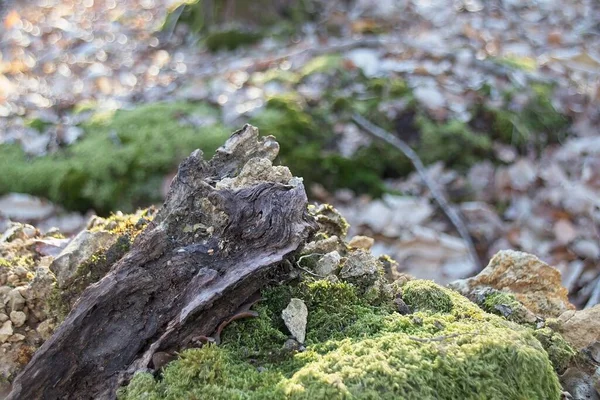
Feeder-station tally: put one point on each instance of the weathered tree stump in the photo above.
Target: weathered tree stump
(205, 254)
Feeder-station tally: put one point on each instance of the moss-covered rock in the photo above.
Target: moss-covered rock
(330, 221)
(504, 304)
(427, 296)
(560, 352)
(356, 347)
(124, 227)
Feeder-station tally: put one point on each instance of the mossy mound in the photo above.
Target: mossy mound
(360, 348)
(120, 162)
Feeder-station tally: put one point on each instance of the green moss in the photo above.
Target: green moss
(38, 124)
(230, 39)
(307, 141)
(26, 261)
(426, 296)
(58, 306)
(275, 75)
(452, 142)
(279, 19)
(119, 163)
(504, 304)
(560, 352)
(499, 299)
(388, 88)
(357, 350)
(537, 123)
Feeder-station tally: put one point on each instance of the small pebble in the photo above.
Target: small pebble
(20, 271)
(18, 318)
(17, 337)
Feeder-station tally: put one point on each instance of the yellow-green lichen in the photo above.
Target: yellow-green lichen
(330, 221)
(450, 350)
(17, 265)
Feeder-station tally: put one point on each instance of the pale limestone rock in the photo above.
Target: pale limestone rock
(295, 316)
(580, 328)
(328, 264)
(533, 282)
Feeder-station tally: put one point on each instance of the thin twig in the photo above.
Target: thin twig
(438, 196)
(297, 51)
(306, 270)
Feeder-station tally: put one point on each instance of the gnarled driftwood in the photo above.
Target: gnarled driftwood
(205, 254)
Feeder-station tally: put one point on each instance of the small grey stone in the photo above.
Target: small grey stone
(295, 316)
(45, 329)
(328, 264)
(20, 271)
(594, 352)
(402, 307)
(359, 263)
(4, 290)
(3, 317)
(80, 249)
(579, 384)
(362, 242)
(291, 345)
(16, 302)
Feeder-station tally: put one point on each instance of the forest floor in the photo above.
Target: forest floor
(499, 98)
